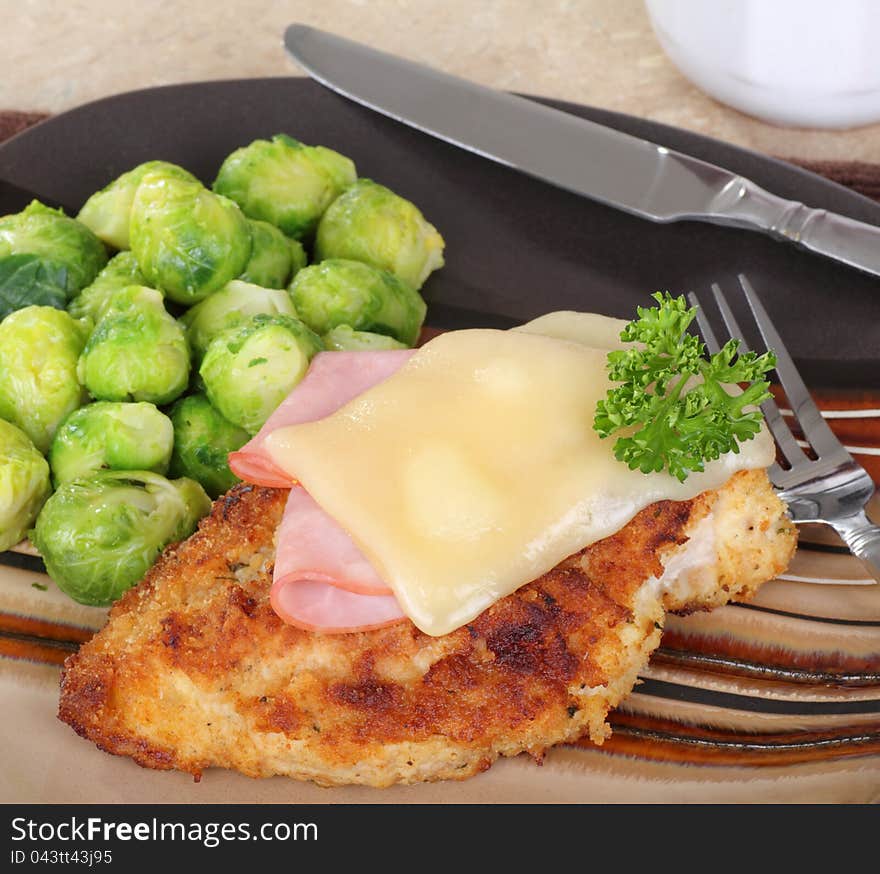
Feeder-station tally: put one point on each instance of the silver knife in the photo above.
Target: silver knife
(598, 162)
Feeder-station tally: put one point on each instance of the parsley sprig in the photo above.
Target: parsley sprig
(680, 403)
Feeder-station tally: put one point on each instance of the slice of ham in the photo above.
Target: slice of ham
(316, 606)
(333, 379)
(322, 581)
(312, 544)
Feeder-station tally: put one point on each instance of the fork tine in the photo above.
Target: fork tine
(785, 440)
(709, 337)
(730, 321)
(815, 428)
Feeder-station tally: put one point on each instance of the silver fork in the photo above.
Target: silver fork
(832, 488)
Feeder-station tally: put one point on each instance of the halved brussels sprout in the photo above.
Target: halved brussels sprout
(249, 370)
(121, 270)
(137, 352)
(271, 256)
(345, 339)
(371, 223)
(99, 535)
(24, 484)
(108, 211)
(111, 435)
(39, 348)
(203, 439)
(188, 241)
(233, 305)
(70, 254)
(285, 182)
(341, 292)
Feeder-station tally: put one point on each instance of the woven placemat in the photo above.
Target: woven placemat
(13, 122)
(858, 175)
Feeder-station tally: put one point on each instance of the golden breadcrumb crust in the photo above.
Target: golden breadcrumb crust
(194, 669)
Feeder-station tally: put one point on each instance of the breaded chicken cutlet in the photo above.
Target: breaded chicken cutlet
(194, 669)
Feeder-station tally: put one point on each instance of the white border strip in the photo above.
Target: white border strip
(852, 450)
(840, 414)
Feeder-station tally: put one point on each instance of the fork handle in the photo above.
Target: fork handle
(863, 538)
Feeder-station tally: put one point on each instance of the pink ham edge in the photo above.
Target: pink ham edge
(312, 544)
(313, 605)
(333, 379)
(322, 581)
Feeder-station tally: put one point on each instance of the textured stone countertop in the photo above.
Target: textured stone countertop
(56, 55)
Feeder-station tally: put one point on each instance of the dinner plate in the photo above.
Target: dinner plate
(777, 700)
(516, 247)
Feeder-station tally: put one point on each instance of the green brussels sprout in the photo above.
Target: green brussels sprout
(39, 348)
(111, 435)
(137, 352)
(340, 292)
(24, 484)
(203, 439)
(344, 338)
(271, 256)
(65, 257)
(249, 370)
(29, 280)
(187, 240)
(233, 305)
(285, 182)
(99, 535)
(121, 270)
(298, 256)
(371, 223)
(339, 168)
(108, 211)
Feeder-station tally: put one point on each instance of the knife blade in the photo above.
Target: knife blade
(622, 171)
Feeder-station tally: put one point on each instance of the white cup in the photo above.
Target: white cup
(806, 63)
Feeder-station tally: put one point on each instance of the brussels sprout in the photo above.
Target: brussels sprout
(298, 256)
(111, 435)
(69, 256)
(108, 211)
(24, 484)
(187, 240)
(371, 223)
(339, 168)
(249, 370)
(346, 339)
(271, 256)
(99, 535)
(137, 352)
(29, 280)
(339, 292)
(233, 305)
(39, 348)
(121, 270)
(203, 440)
(285, 182)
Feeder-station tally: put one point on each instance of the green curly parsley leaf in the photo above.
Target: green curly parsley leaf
(681, 409)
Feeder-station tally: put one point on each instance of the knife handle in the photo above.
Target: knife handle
(854, 243)
(746, 205)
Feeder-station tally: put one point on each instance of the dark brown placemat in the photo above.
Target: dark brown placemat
(13, 122)
(858, 175)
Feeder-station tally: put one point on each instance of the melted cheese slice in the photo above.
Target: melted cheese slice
(475, 469)
(588, 329)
